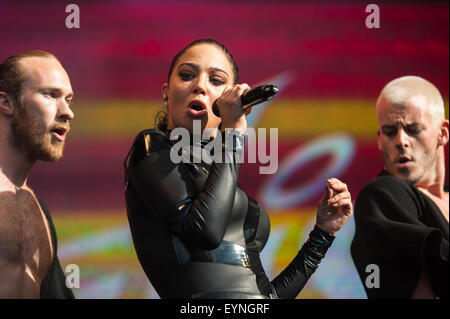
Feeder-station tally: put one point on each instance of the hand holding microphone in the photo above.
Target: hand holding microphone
(255, 96)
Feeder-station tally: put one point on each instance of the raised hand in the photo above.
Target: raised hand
(335, 207)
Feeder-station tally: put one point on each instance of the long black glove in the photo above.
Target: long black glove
(293, 278)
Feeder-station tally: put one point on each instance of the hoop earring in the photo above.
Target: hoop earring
(158, 117)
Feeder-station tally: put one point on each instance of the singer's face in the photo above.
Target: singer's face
(200, 76)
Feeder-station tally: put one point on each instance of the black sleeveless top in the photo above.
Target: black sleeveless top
(54, 284)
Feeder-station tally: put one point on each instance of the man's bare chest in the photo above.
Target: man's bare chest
(25, 238)
(441, 203)
(443, 206)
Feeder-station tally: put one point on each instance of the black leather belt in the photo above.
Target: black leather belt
(228, 295)
(227, 253)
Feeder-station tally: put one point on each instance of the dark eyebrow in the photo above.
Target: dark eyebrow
(196, 67)
(218, 70)
(192, 65)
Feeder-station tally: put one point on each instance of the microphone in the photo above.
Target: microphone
(255, 96)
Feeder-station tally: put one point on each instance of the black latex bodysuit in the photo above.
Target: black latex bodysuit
(197, 234)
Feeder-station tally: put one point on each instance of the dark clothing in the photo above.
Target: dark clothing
(54, 284)
(199, 235)
(400, 230)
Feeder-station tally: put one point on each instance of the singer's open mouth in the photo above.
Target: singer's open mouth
(197, 105)
(197, 108)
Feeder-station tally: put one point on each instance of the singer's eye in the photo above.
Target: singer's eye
(217, 81)
(186, 76)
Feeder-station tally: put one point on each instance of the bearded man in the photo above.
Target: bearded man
(35, 96)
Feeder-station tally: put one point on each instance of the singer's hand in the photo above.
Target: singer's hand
(230, 107)
(335, 207)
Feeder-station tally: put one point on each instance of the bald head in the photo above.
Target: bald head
(408, 89)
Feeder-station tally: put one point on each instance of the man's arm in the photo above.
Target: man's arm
(424, 289)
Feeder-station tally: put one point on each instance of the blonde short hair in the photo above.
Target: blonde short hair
(400, 90)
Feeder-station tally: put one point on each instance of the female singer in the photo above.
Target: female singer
(197, 234)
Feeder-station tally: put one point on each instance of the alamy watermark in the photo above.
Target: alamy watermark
(373, 19)
(73, 276)
(188, 149)
(373, 279)
(73, 19)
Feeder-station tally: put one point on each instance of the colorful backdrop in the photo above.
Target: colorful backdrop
(329, 67)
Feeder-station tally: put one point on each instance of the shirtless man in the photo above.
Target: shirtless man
(35, 96)
(402, 216)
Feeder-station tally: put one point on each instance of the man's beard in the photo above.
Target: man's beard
(31, 136)
(423, 165)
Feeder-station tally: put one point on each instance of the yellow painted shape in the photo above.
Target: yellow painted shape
(294, 118)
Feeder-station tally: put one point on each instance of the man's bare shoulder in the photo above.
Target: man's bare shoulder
(16, 199)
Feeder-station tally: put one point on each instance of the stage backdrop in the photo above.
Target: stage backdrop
(328, 64)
